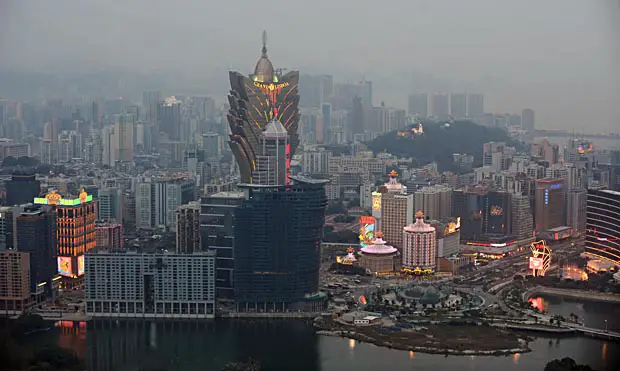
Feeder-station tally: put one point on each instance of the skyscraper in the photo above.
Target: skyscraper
(458, 105)
(22, 188)
(150, 102)
(278, 233)
(549, 203)
(256, 100)
(169, 118)
(418, 104)
(475, 105)
(528, 119)
(603, 225)
(396, 211)
(36, 235)
(123, 131)
(440, 106)
(188, 228)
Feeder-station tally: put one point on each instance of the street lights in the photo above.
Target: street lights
(605, 325)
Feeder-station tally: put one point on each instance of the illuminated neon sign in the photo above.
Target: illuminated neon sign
(376, 201)
(54, 199)
(271, 86)
(555, 186)
(64, 266)
(367, 230)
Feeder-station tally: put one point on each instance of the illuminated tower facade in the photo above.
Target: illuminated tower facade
(256, 100)
(75, 233)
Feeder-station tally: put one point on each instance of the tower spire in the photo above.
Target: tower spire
(264, 50)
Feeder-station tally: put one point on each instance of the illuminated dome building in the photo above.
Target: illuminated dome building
(380, 258)
(419, 245)
(264, 96)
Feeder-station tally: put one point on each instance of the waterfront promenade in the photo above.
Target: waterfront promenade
(574, 294)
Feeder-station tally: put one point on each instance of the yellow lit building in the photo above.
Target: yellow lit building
(75, 233)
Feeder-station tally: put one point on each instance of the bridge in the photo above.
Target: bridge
(596, 333)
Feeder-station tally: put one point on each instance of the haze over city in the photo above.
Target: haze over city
(558, 57)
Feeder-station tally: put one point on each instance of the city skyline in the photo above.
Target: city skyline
(515, 67)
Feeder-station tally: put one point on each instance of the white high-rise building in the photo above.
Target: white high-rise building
(436, 201)
(128, 284)
(157, 199)
(419, 245)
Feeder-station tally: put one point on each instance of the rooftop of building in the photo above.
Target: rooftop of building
(229, 194)
(146, 251)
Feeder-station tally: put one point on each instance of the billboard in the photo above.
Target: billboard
(497, 210)
(536, 263)
(367, 230)
(64, 266)
(80, 261)
(376, 201)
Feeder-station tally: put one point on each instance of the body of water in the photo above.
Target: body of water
(293, 345)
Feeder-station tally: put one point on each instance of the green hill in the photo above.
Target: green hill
(440, 141)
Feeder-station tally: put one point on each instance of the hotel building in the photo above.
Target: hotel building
(419, 245)
(129, 284)
(603, 225)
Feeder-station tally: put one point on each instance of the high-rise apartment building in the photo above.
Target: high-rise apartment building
(418, 104)
(436, 201)
(522, 218)
(188, 228)
(129, 284)
(549, 204)
(110, 200)
(123, 130)
(14, 281)
(603, 225)
(109, 236)
(458, 105)
(419, 245)
(150, 102)
(528, 119)
(316, 161)
(170, 118)
(475, 105)
(440, 106)
(157, 199)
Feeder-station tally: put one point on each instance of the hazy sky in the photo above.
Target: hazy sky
(559, 57)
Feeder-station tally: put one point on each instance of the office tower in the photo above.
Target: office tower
(549, 203)
(188, 228)
(418, 104)
(123, 130)
(217, 228)
(419, 245)
(522, 218)
(110, 200)
(264, 96)
(527, 119)
(475, 105)
(440, 107)
(75, 233)
(8, 221)
(95, 114)
(458, 105)
(272, 158)
(396, 211)
(278, 233)
(109, 236)
(22, 188)
(169, 118)
(603, 225)
(123, 284)
(14, 281)
(36, 235)
(436, 201)
(485, 214)
(150, 102)
(157, 198)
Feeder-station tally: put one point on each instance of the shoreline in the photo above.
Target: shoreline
(473, 339)
(582, 295)
(422, 349)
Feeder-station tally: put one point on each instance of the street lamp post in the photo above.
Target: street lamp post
(605, 325)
